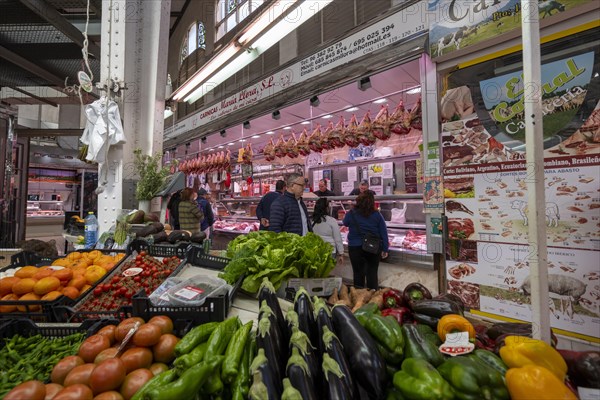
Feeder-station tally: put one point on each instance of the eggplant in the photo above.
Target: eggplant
(367, 365)
(300, 376)
(301, 341)
(291, 319)
(451, 297)
(290, 392)
(306, 317)
(423, 319)
(323, 317)
(276, 335)
(435, 308)
(264, 385)
(268, 344)
(512, 328)
(415, 292)
(584, 367)
(267, 293)
(337, 386)
(335, 350)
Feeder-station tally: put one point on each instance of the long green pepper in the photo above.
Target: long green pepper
(234, 352)
(194, 337)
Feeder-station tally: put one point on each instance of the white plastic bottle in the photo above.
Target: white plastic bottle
(91, 231)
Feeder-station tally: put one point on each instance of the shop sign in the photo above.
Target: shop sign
(462, 23)
(401, 26)
(485, 189)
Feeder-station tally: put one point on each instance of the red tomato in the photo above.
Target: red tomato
(52, 389)
(136, 357)
(63, 367)
(112, 395)
(92, 346)
(164, 350)
(158, 368)
(108, 375)
(165, 323)
(111, 352)
(148, 335)
(109, 332)
(143, 253)
(80, 374)
(75, 392)
(30, 390)
(134, 382)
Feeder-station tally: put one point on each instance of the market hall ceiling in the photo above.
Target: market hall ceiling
(40, 47)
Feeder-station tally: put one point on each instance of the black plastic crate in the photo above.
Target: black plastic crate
(214, 309)
(196, 256)
(70, 313)
(29, 258)
(159, 250)
(46, 311)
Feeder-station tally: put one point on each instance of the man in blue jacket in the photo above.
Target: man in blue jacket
(263, 209)
(288, 212)
(205, 206)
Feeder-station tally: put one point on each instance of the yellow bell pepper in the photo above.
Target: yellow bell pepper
(521, 350)
(532, 382)
(454, 323)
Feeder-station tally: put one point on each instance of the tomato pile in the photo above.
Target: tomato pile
(141, 272)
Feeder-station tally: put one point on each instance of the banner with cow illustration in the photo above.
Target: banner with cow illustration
(485, 188)
(463, 23)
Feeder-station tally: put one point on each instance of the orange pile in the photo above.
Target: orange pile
(80, 271)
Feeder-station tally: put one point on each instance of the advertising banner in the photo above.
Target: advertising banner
(463, 23)
(485, 191)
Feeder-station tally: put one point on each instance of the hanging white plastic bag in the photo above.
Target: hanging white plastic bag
(399, 215)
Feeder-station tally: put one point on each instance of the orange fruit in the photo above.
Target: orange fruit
(74, 256)
(51, 295)
(24, 286)
(6, 285)
(26, 272)
(61, 262)
(43, 272)
(71, 292)
(64, 274)
(46, 285)
(94, 273)
(94, 254)
(29, 297)
(78, 282)
(85, 288)
(8, 308)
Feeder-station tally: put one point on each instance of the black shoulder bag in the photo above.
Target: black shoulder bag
(370, 243)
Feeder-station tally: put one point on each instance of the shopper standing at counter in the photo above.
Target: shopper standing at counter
(362, 188)
(189, 213)
(362, 220)
(288, 212)
(327, 227)
(206, 208)
(323, 191)
(263, 209)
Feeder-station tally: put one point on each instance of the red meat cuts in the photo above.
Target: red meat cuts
(269, 151)
(415, 241)
(460, 228)
(351, 134)
(303, 147)
(381, 124)
(364, 132)
(336, 136)
(227, 162)
(279, 148)
(459, 185)
(416, 116)
(291, 147)
(314, 141)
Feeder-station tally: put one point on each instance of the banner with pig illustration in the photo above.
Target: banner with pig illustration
(458, 24)
(485, 191)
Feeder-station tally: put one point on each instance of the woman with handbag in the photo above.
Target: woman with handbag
(367, 240)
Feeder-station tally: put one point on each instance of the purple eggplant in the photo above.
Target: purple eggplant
(337, 386)
(291, 319)
(301, 341)
(300, 377)
(323, 317)
(415, 292)
(335, 350)
(306, 317)
(268, 344)
(276, 335)
(367, 365)
(265, 384)
(290, 392)
(267, 293)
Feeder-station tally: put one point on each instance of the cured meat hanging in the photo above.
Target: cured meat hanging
(269, 151)
(314, 141)
(280, 147)
(364, 132)
(326, 137)
(336, 136)
(303, 147)
(397, 120)
(351, 134)
(381, 124)
(291, 147)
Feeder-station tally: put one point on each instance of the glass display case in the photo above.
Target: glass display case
(41, 209)
(403, 214)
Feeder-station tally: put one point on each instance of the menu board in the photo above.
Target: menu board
(485, 196)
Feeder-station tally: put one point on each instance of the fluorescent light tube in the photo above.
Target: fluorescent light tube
(275, 11)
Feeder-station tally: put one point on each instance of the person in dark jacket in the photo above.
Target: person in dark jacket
(362, 187)
(323, 191)
(263, 209)
(205, 206)
(363, 219)
(173, 207)
(288, 212)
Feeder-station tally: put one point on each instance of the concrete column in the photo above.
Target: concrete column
(134, 46)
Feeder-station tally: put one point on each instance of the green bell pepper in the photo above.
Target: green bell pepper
(472, 379)
(419, 380)
(421, 342)
(387, 332)
(363, 313)
(490, 359)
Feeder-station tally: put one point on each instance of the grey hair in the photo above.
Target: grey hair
(364, 182)
(291, 178)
